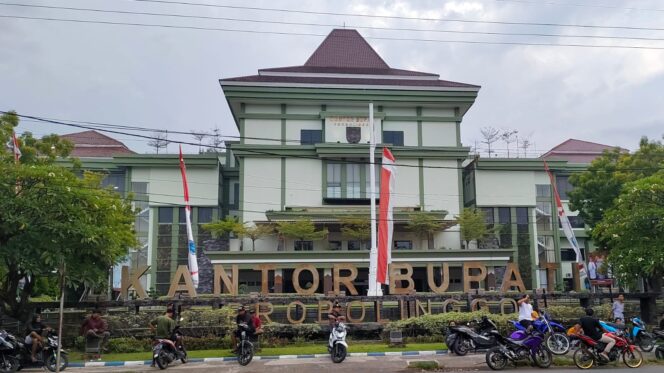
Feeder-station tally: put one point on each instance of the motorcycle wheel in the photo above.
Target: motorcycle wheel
(338, 353)
(184, 357)
(543, 358)
(557, 343)
(646, 342)
(246, 353)
(8, 364)
(583, 359)
(162, 360)
(659, 353)
(51, 362)
(461, 347)
(632, 359)
(495, 359)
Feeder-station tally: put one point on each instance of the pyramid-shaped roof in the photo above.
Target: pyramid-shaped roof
(578, 151)
(95, 144)
(346, 58)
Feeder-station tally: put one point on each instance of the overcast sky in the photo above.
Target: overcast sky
(168, 78)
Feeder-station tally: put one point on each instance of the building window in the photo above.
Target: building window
(367, 182)
(116, 181)
(204, 216)
(575, 221)
(304, 245)
(544, 219)
(334, 180)
(563, 186)
(403, 245)
(505, 223)
(545, 249)
(334, 245)
(353, 180)
(236, 195)
(165, 215)
(393, 137)
(543, 190)
(568, 255)
(358, 245)
(311, 137)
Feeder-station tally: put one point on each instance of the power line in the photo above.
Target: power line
(549, 24)
(285, 33)
(331, 25)
(577, 5)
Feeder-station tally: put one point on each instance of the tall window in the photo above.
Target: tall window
(546, 249)
(505, 222)
(393, 137)
(204, 216)
(304, 245)
(139, 256)
(183, 239)
(334, 180)
(367, 182)
(543, 190)
(164, 245)
(563, 186)
(311, 137)
(353, 180)
(544, 219)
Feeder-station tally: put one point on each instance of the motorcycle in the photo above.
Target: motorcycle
(641, 336)
(8, 362)
(337, 346)
(166, 351)
(589, 353)
(555, 336)
(463, 338)
(245, 349)
(46, 356)
(520, 346)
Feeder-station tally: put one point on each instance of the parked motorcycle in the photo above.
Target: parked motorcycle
(46, 355)
(520, 346)
(589, 353)
(337, 346)
(166, 351)
(8, 362)
(245, 349)
(463, 338)
(641, 336)
(555, 336)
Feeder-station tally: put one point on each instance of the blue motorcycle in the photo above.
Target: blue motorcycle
(640, 336)
(555, 335)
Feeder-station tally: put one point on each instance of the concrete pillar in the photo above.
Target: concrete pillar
(327, 281)
(278, 281)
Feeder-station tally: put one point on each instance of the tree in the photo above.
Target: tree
(216, 140)
(596, 188)
(222, 228)
(490, 136)
(425, 225)
(301, 229)
(159, 141)
(508, 136)
(200, 136)
(634, 230)
(33, 150)
(256, 232)
(356, 229)
(473, 225)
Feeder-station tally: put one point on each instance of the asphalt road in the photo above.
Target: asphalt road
(387, 364)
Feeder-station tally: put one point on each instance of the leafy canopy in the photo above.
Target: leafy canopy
(301, 229)
(356, 228)
(223, 227)
(473, 225)
(425, 225)
(256, 232)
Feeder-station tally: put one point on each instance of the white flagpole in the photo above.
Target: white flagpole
(374, 289)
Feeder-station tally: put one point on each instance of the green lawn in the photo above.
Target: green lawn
(307, 349)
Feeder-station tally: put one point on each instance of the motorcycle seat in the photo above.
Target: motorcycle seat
(617, 326)
(516, 341)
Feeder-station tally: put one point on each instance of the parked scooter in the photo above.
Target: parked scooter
(463, 338)
(8, 362)
(555, 337)
(337, 346)
(166, 351)
(520, 346)
(640, 336)
(46, 355)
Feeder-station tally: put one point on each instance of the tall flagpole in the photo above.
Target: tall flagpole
(374, 290)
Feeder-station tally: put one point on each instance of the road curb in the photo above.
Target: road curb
(96, 364)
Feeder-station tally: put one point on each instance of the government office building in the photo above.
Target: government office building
(303, 154)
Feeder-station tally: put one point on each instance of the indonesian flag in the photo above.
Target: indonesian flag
(193, 261)
(567, 227)
(16, 150)
(385, 218)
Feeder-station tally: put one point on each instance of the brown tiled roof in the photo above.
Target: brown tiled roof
(347, 56)
(95, 144)
(578, 151)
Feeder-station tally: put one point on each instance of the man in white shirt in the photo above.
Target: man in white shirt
(525, 311)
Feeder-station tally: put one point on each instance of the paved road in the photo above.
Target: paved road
(387, 364)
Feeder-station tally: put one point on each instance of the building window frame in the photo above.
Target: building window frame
(311, 136)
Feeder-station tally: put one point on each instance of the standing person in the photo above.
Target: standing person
(162, 326)
(525, 311)
(618, 309)
(95, 327)
(593, 329)
(34, 335)
(258, 328)
(592, 267)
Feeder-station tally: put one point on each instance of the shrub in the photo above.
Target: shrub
(436, 325)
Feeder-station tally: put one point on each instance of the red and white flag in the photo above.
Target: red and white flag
(193, 260)
(16, 150)
(385, 217)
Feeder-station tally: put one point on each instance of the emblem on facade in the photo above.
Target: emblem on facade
(353, 134)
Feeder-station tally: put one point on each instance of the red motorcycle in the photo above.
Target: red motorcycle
(589, 352)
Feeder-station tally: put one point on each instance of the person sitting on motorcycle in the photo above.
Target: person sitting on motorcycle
(95, 327)
(525, 311)
(163, 327)
(335, 315)
(242, 318)
(593, 329)
(34, 335)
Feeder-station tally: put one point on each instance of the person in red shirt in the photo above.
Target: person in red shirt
(95, 327)
(258, 324)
